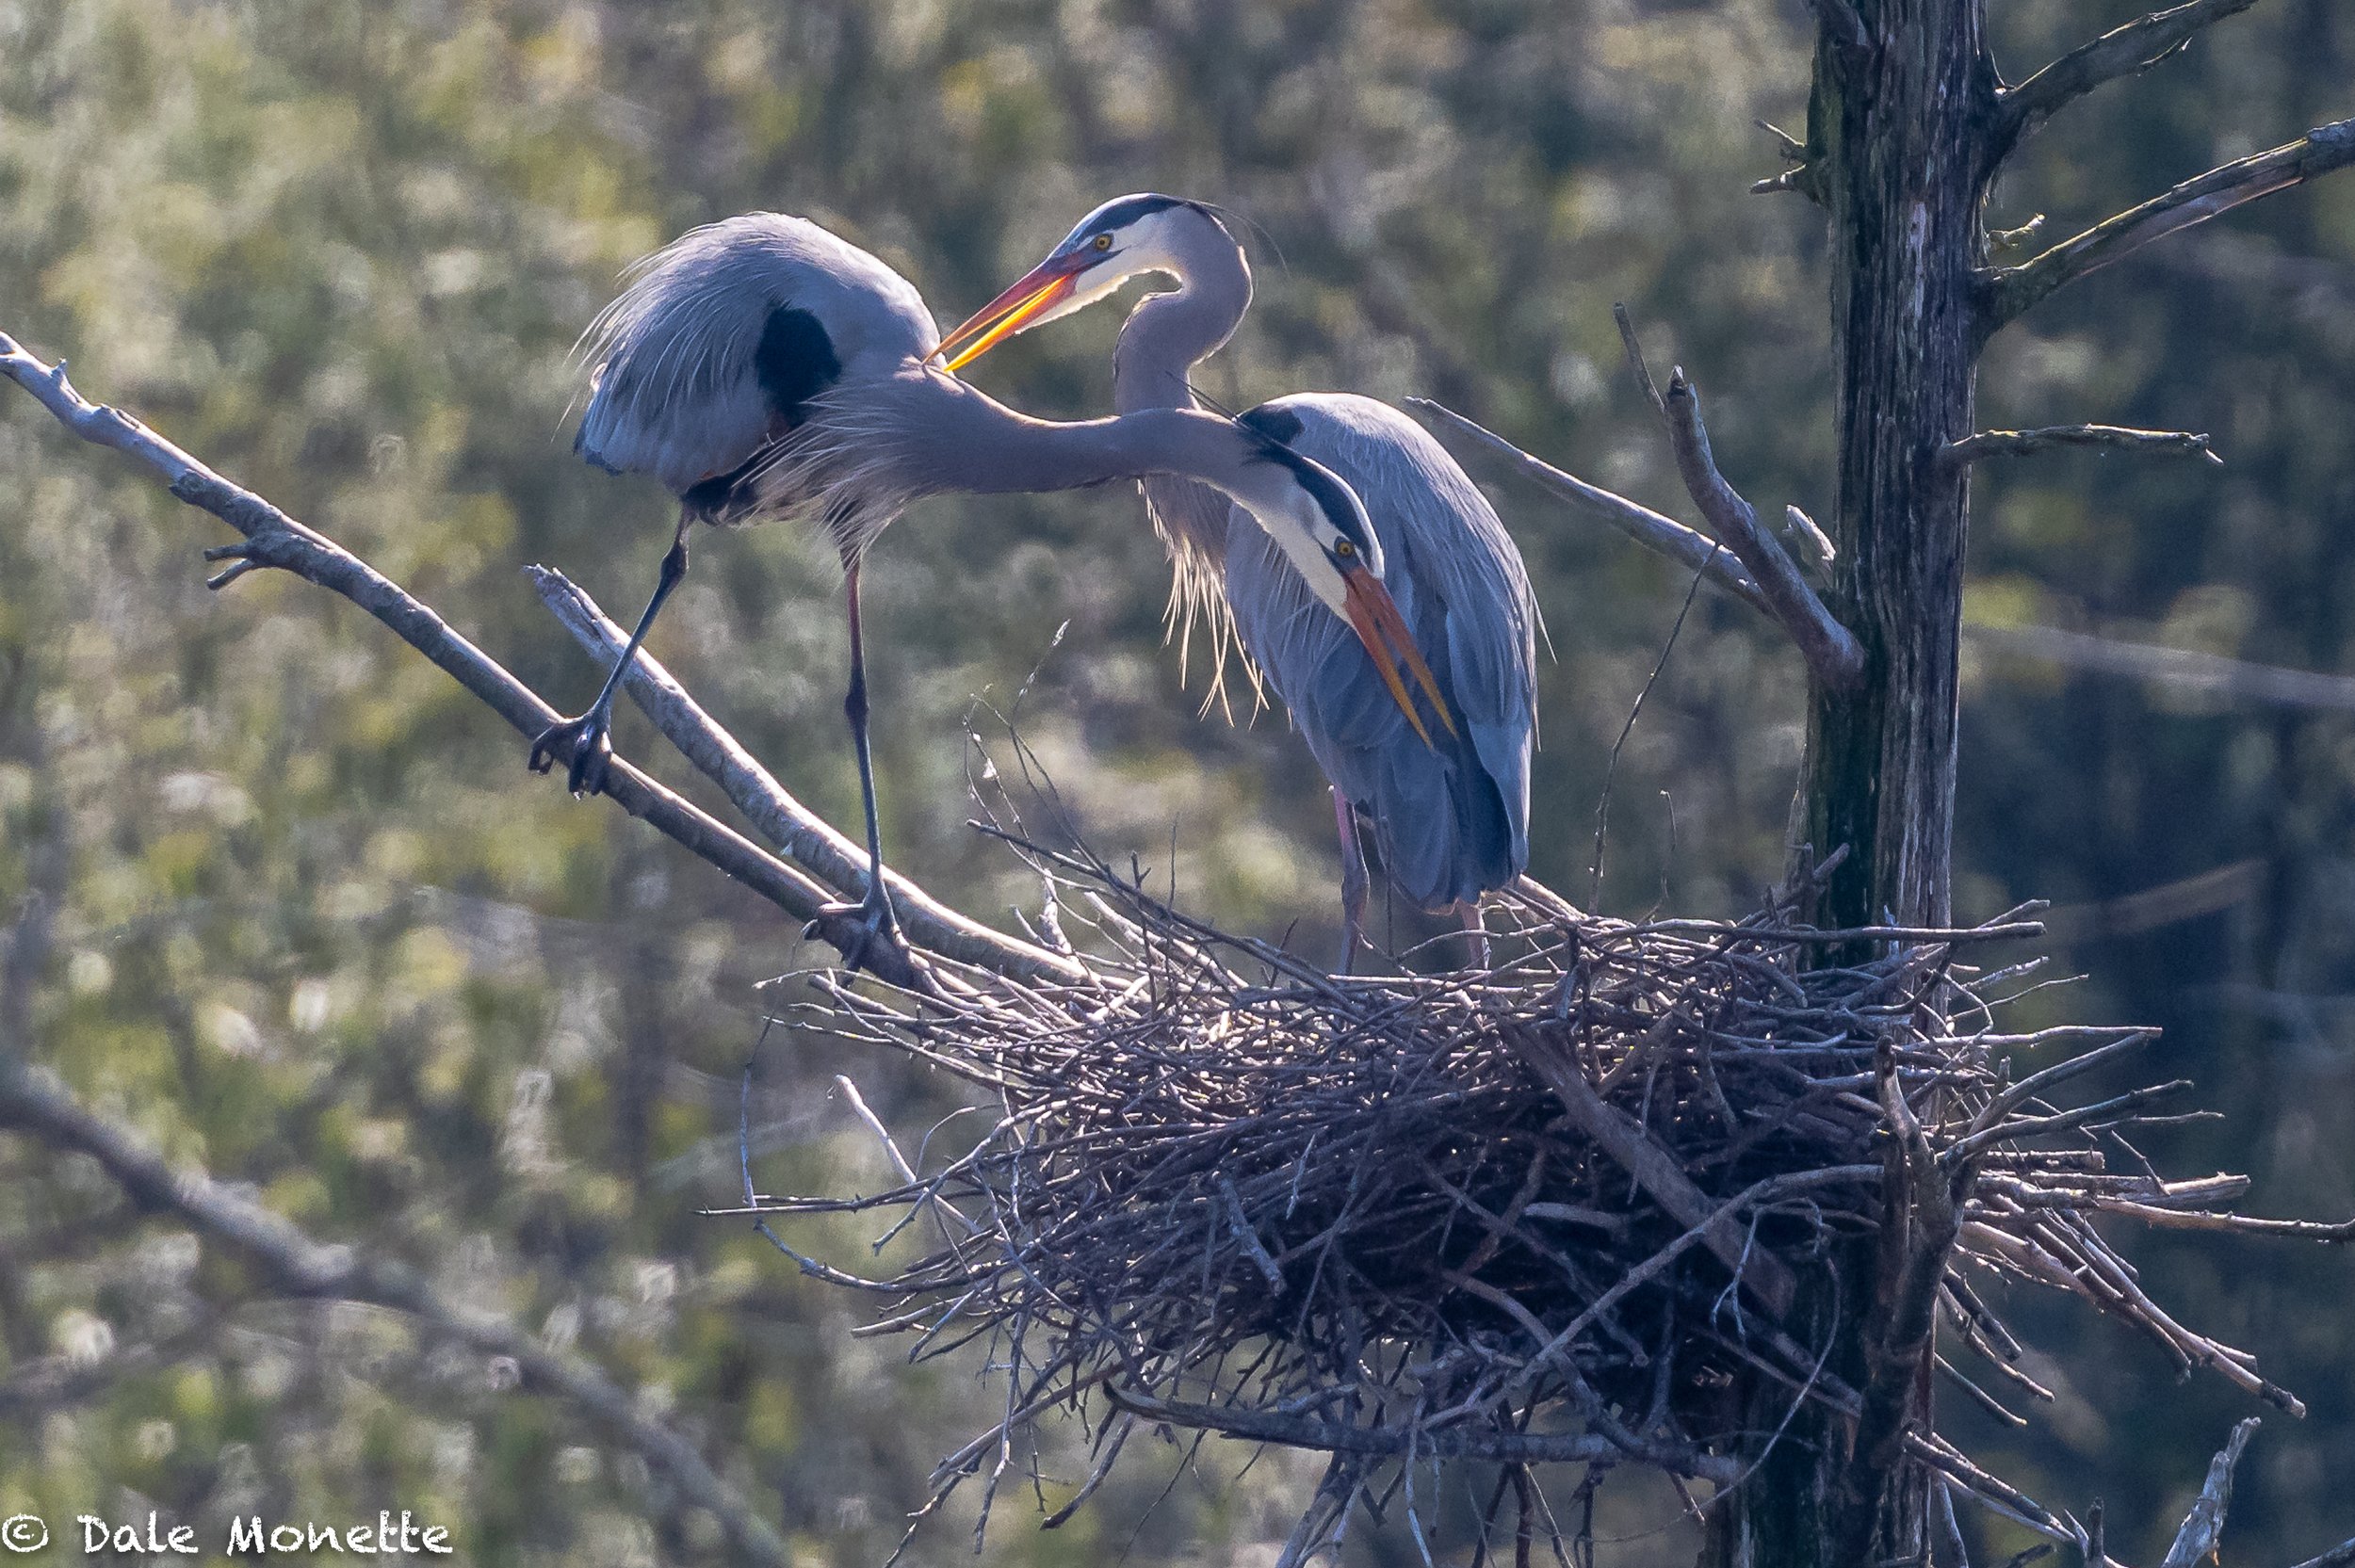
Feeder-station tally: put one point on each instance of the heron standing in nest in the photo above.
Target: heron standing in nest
(763, 367)
(1449, 817)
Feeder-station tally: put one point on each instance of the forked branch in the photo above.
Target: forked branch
(272, 539)
(2121, 52)
(2203, 1526)
(2011, 290)
(802, 835)
(1689, 548)
(1831, 651)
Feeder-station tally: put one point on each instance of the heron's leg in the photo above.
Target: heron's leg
(1476, 930)
(875, 909)
(587, 739)
(1353, 880)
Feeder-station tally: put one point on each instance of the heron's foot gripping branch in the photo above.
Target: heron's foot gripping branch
(862, 932)
(585, 745)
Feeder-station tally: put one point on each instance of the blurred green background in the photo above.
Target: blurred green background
(284, 898)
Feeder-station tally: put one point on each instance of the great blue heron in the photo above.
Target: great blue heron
(1451, 818)
(761, 367)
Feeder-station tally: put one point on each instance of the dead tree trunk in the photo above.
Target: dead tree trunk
(1908, 124)
(1901, 137)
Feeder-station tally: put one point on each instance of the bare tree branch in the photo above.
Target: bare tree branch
(2340, 1556)
(299, 1266)
(1760, 1272)
(2178, 668)
(1831, 651)
(2204, 1525)
(808, 839)
(274, 539)
(2012, 290)
(1687, 547)
(1265, 1426)
(2018, 443)
(1921, 1216)
(2121, 52)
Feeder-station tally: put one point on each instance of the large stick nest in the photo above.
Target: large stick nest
(1544, 1212)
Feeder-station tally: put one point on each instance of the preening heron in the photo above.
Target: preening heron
(763, 367)
(1449, 810)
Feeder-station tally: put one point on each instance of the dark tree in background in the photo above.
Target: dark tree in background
(1910, 124)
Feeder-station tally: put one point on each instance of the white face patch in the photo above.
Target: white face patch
(1149, 244)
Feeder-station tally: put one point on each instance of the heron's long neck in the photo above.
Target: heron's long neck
(954, 438)
(1168, 335)
(1165, 338)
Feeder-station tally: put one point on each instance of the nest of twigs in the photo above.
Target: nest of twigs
(1546, 1212)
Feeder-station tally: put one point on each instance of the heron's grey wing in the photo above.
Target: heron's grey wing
(728, 336)
(1453, 817)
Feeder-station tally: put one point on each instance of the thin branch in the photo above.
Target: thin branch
(1689, 548)
(1795, 521)
(2016, 239)
(2018, 444)
(2340, 1556)
(2125, 51)
(274, 539)
(2011, 290)
(2181, 668)
(299, 1266)
(2204, 1525)
(1657, 1172)
(806, 838)
(1266, 1426)
(1832, 652)
(1921, 1217)
(1636, 361)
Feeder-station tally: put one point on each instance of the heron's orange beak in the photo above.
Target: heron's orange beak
(1048, 284)
(1375, 616)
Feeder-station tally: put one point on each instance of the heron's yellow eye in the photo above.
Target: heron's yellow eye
(1103, 242)
(1344, 549)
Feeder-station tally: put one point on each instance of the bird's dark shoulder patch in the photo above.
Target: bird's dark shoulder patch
(1278, 424)
(794, 363)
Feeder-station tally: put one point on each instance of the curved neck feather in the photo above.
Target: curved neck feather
(1168, 335)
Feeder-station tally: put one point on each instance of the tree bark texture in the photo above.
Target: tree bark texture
(1901, 136)
(1901, 147)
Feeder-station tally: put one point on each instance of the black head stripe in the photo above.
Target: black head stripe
(1332, 497)
(1122, 211)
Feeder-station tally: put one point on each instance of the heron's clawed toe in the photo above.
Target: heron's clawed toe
(584, 744)
(875, 923)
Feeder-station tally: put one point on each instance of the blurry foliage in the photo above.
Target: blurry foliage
(284, 900)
